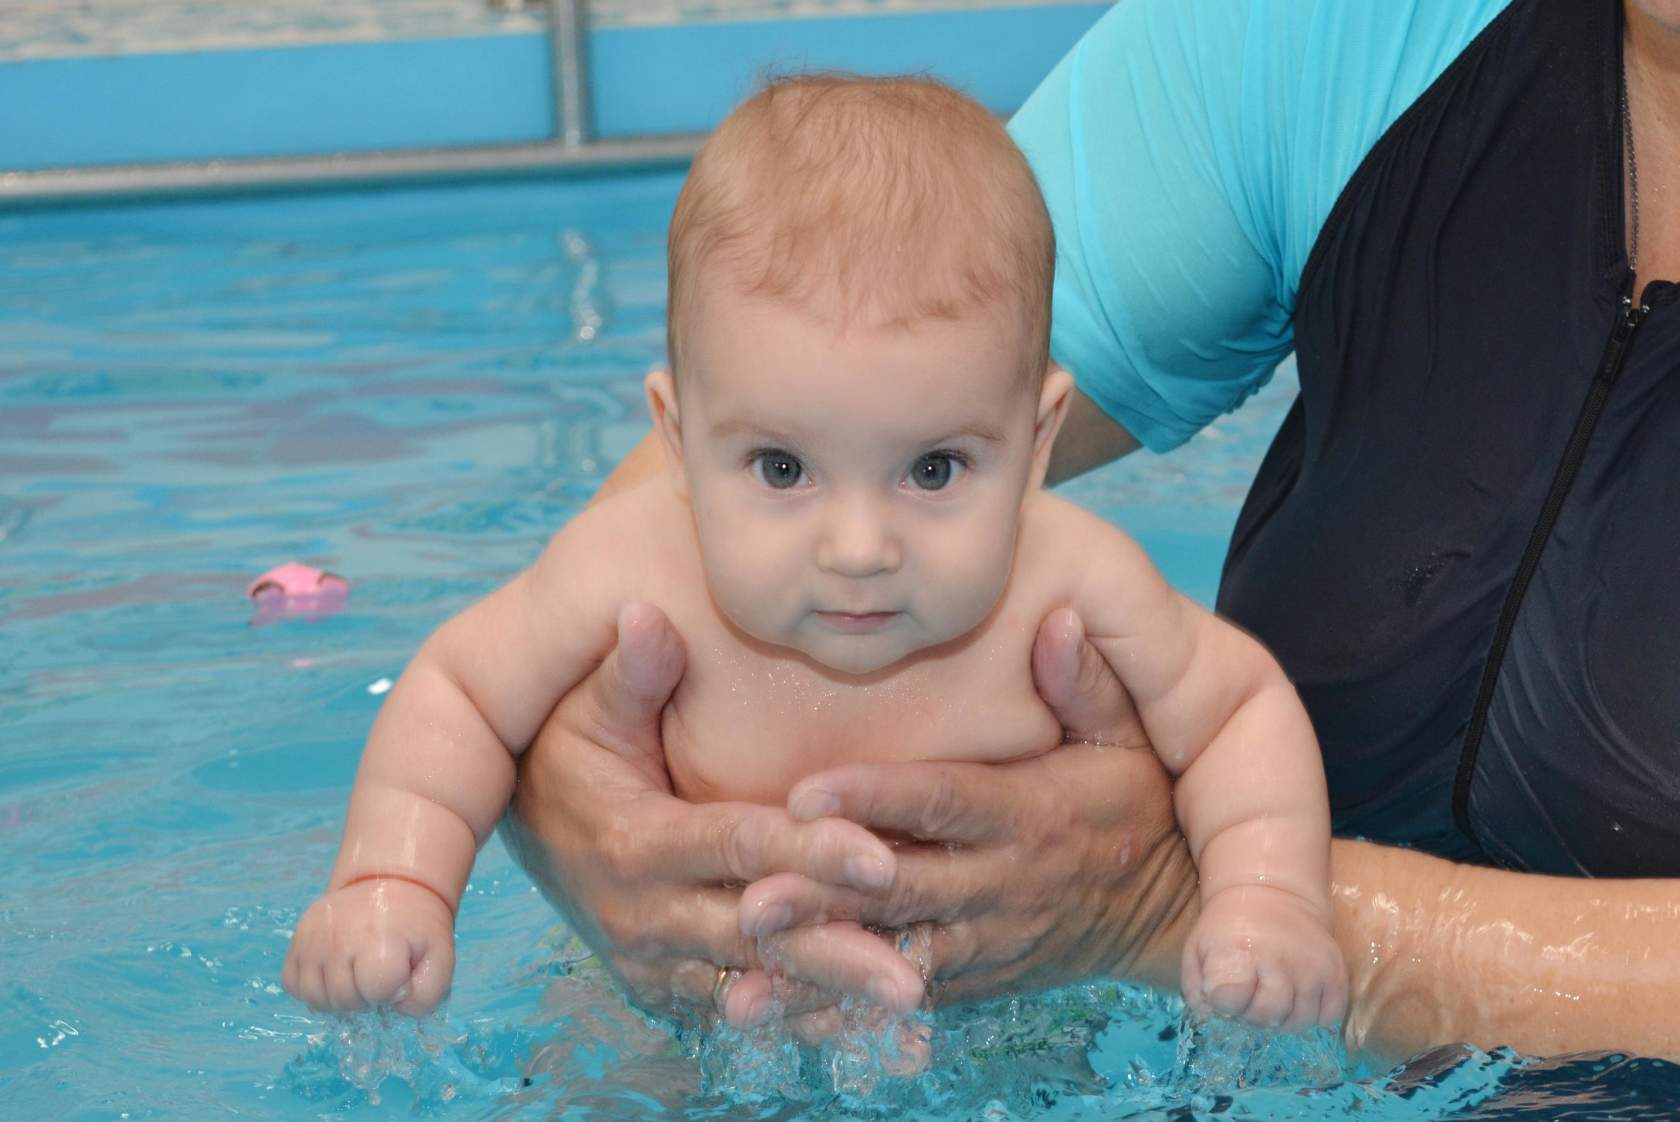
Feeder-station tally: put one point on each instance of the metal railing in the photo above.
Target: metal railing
(572, 149)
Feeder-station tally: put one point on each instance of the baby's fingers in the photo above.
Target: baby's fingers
(1220, 979)
(1333, 1005)
(1274, 1000)
(304, 978)
(429, 980)
(339, 977)
(379, 972)
(1308, 1000)
(1321, 995)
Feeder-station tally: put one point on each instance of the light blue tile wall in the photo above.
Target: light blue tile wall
(422, 93)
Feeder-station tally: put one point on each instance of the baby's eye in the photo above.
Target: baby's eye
(934, 471)
(777, 469)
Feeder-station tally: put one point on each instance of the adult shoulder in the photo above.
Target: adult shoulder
(1189, 155)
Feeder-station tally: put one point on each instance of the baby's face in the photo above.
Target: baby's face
(856, 495)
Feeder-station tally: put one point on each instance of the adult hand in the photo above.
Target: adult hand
(651, 882)
(1021, 876)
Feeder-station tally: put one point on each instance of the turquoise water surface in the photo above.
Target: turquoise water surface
(414, 389)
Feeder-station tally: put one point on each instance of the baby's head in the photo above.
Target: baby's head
(858, 399)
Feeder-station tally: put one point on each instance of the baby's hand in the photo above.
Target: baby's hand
(379, 942)
(1264, 955)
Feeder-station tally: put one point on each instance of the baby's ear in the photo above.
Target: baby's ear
(667, 422)
(1053, 401)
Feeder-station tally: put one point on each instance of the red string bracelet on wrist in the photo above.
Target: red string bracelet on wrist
(365, 877)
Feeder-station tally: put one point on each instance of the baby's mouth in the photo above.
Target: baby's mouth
(857, 622)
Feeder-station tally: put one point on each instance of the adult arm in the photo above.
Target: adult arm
(1089, 439)
(1546, 965)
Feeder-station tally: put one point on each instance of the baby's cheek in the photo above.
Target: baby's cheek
(969, 580)
(746, 576)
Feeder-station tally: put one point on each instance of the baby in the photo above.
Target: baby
(852, 540)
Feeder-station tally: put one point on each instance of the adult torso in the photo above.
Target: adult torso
(1450, 325)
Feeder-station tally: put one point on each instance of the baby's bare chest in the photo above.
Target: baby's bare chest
(747, 723)
(746, 727)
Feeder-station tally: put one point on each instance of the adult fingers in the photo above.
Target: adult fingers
(844, 958)
(737, 994)
(1077, 683)
(650, 661)
(961, 803)
(627, 694)
(755, 995)
(934, 883)
(741, 996)
(692, 981)
(785, 900)
(817, 1026)
(656, 927)
(939, 884)
(741, 842)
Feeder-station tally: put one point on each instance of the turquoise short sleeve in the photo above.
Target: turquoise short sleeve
(1189, 154)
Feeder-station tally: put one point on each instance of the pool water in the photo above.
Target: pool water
(414, 388)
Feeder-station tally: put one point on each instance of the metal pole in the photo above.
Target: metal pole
(570, 63)
(573, 150)
(64, 185)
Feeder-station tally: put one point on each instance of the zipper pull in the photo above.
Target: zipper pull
(1620, 335)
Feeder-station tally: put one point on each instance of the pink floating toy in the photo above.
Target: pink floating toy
(293, 589)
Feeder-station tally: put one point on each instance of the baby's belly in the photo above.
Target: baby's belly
(718, 752)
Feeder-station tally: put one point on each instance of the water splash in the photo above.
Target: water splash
(1218, 1056)
(357, 1061)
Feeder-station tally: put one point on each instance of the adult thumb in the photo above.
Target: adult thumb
(1078, 685)
(629, 691)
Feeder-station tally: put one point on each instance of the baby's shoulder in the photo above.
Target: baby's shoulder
(1061, 543)
(1047, 514)
(649, 508)
(626, 546)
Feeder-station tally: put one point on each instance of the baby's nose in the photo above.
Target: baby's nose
(859, 541)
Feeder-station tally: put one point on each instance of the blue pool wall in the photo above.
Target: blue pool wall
(403, 94)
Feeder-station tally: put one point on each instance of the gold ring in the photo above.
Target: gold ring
(726, 977)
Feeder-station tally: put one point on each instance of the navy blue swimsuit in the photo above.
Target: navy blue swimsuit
(1464, 544)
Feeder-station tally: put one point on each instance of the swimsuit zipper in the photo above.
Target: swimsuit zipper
(1628, 318)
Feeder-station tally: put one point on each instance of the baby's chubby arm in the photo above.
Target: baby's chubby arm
(438, 770)
(1250, 793)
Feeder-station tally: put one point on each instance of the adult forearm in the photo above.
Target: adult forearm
(1442, 952)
